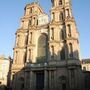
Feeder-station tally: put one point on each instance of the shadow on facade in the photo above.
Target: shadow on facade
(87, 80)
(21, 79)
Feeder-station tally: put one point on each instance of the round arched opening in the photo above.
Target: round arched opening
(42, 50)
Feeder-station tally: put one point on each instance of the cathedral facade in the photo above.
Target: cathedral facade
(46, 52)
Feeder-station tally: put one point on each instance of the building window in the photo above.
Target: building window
(30, 10)
(71, 50)
(52, 52)
(69, 30)
(67, 13)
(16, 57)
(29, 55)
(34, 21)
(52, 33)
(62, 35)
(62, 54)
(24, 57)
(18, 39)
(30, 37)
(42, 48)
(37, 22)
(26, 39)
(30, 22)
(60, 2)
(61, 17)
(53, 16)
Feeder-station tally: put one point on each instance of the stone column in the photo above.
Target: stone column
(31, 80)
(49, 80)
(55, 80)
(45, 80)
(27, 80)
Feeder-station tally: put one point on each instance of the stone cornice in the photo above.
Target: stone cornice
(71, 38)
(54, 41)
(58, 8)
(31, 45)
(32, 27)
(56, 23)
(21, 30)
(24, 47)
(69, 19)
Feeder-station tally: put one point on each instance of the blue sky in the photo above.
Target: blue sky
(12, 10)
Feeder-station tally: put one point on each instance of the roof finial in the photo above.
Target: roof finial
(37, 1)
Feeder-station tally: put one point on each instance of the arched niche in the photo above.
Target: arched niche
(42, 49)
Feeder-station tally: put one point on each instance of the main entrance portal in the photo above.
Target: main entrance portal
(40, 80)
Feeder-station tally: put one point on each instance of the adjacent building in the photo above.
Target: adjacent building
(86, 71)
(4, 69)
(85, 64)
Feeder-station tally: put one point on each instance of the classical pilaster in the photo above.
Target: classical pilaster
(32, 80)
(45, 80)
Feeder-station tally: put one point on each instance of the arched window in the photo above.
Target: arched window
(24, 57)
(52, 52)
(67, 13)
(30, 55)
(16, 54)
(31, 10)
(17, 40)
(60, 2)
(71, 50)
(62, 54)
(16, 57)
(30, 22)
(52, 33)
(62, 35)
(69, 30)
(42, 50)
(37, 21)
(53, 16)
(34, 21)
(64, 51)
(22, 24)
(61, 16)
(30, 37)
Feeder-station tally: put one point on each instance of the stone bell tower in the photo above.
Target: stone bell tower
(27, 35)
(30, 49)
(64, 48)
(64, 42)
